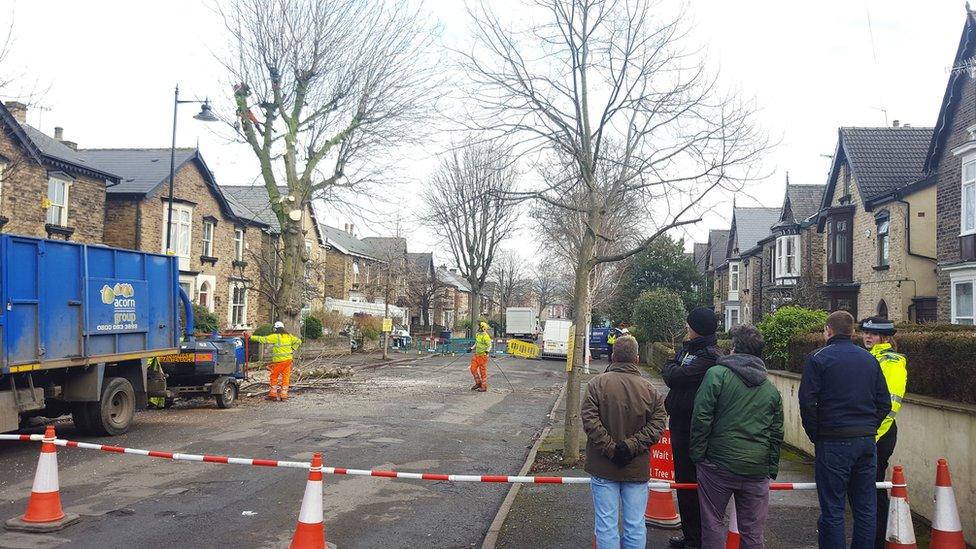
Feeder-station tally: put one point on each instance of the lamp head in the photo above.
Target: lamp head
(206, 113)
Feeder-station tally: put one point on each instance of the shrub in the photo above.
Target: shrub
(940, 362)
(204, 321)
(779, 327)
(660, 354)
(463, 324)
(263, 330)
(369, 327)
(659, 315)
(333, 321)
(312, 328)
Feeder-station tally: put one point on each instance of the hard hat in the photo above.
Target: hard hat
(483, 325)
(624, 331)
(279, 324)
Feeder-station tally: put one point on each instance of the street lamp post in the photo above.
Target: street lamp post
(205, 115)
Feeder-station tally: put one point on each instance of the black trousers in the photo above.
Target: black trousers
(684, 471)
(886, 446)
(609, 353)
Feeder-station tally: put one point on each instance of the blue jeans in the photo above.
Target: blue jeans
(607, 498)
(845, 470)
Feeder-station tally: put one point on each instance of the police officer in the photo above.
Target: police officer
(878, 334)
(611, 340)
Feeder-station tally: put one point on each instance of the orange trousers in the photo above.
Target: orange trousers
(280, 370)
(479, 369)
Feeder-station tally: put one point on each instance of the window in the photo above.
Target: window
(204, 296)
(883, 225)
(238, 244)
(733, 277)
(786, 256)
(180, 231)
(968, 223)
(57, 195)
(355, 273)
(208, 234)
(187, 287)
(731, 318)
(839, 244)
(883, 309)
(238, 305)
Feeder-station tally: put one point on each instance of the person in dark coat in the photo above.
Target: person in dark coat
(683, 375)
(843, 400)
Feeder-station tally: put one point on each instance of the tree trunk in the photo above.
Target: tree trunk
(292, 277)
(581, 297)
(475, 310)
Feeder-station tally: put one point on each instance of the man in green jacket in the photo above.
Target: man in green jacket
(736, 433)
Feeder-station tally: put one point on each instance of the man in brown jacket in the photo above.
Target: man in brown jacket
(623, 416)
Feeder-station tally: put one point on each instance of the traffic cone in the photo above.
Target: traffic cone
(310, 533)
(901, 532)
(44, 513)
(946, 528)
(732, 539)
(660, 511)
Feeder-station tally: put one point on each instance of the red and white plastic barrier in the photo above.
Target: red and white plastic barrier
(494, 479)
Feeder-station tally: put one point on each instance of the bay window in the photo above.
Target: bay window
(733, 277)
(968, 220)
(787, 248)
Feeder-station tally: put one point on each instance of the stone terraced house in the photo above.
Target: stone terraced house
(739, 295)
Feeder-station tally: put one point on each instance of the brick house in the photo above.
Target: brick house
(793, 254)
(717, 244)
(739, 294)
(950, 163)
(878, 220)
(452, 302)
(251, 204)
(47, 188)
(352, 266)
(210, 241)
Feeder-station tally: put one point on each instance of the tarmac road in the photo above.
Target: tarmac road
(415, 417)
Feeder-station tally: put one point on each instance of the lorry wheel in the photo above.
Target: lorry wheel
(113, 414)
(227, 397)
(81, 417)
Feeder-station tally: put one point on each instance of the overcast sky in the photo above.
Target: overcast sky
(107, 69)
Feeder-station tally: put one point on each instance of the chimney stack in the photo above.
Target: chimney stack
(70, 144)
(58, 133)
(18, 109)
(895, 124)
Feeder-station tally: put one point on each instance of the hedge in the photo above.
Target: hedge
(940, 362)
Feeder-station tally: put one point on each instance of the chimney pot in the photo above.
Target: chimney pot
(895, 124)
(18, 110)
(58, 133)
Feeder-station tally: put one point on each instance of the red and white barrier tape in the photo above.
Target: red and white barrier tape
(494, 479)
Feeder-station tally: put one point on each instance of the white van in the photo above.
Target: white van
(555, 337)
(520, 322)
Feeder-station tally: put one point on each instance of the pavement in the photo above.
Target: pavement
(542, 517)
(414, 416)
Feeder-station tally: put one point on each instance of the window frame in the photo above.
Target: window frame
(883, 223)
(233, 305)
(783, 256)
(178, 211)
(62, 220)
(211, 228)
(238, 244)
(734, 276)
(964, 216)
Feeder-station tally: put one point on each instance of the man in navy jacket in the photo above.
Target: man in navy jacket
(843, 399)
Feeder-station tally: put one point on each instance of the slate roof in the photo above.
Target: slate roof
(51, 147)
(749, 226)
(422, 260)
(347, 243)
(445, 276)
(699, 256)
(804, 202)
(383, 245)
(251, 203)
(882, 160)
(718, 240)
(141, 170)
(953, 94)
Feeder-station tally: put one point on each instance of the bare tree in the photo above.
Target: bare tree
(422, 289)
(607, 91)
(467, 209)
(321, 87)
(511, 278)
(269, 260)
(392, 252)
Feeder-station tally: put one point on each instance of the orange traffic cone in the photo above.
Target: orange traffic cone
(310, 533)
(733, 539)
(900, 532)
(660, 511)
(44, 513)
(946, 528)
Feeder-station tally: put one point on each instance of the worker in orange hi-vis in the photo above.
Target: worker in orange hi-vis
(283, 345)
(479, 362)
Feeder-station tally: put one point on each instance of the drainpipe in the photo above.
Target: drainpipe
(908, 232)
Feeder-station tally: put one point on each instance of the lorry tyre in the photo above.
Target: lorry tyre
(81, 417)
(227, 397)
(113, 414)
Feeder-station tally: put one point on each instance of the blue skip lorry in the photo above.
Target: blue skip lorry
(80, 325)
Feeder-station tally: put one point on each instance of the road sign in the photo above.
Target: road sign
(662, 459)
(387, 324)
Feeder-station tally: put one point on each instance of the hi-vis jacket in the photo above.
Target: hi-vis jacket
(482, 343)
(893, 366)
(282, 345)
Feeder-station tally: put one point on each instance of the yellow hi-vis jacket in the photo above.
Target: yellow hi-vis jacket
(482, 343)
(282, 345)
(894, 368)
(612, 339)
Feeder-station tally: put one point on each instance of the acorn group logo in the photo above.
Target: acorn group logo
(120, 290)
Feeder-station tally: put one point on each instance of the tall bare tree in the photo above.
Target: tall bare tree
(607, 90)
(321, 87)
(544, 287)
(467, 207)
(392, 252)
(422, 288)
(511, 279)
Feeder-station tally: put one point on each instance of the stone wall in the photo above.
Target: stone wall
(25, 188)
(928, 429)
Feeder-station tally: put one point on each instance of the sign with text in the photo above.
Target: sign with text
(117, 305)
(662, 460)
(387, 324)
(571, 348)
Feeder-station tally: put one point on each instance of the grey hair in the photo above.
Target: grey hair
(625, 350)
(747, 340)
